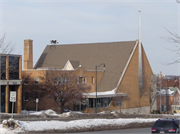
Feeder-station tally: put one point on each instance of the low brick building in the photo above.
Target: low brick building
(127, 73)
(168, 100)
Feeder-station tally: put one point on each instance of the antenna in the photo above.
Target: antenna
(139, 27)
(140, 59)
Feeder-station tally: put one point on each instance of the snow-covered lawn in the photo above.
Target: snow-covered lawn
(27, 126)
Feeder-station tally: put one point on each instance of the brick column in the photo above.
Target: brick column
(20, 67)
(7, 98)
(19, 99)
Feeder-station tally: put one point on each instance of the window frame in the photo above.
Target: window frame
(61, 80)
(36, 80)
(93, 80)
(26, 96)
(26, 81)
(81, 80)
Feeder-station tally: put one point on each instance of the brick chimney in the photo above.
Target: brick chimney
(28, 54)
(160, 75)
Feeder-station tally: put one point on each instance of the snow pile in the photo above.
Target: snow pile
(68, 114)
(48, 112)
(10, 126)
(169, 91)
(26, 112)
(35, 126)
(11, 123)
(103, 112)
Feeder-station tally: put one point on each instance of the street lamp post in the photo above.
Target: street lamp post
(160, 99)
(96, 81)
(167, 100)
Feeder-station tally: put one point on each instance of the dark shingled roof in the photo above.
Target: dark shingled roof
(114, 54)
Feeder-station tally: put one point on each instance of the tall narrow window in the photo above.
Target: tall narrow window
(36, 80)
(92, 80)
(26, 81)
(164, 99)
(66, 80)
(26, 96)
(13, 67)
(81, 80)
(3, 67)
(165, 108)
(57, 80)
(61, 80)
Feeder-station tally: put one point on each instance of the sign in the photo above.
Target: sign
(37, 100)
(118, 103)
(14, 83)
(12, 96)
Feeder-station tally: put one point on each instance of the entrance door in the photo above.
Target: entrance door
(2, 99)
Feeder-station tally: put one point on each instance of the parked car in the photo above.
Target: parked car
(166, 126)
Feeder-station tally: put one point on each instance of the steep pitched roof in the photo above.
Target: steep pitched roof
(115, 55)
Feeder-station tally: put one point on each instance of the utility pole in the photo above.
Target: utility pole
(167, 100)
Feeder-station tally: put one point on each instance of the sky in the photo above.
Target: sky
(91, 21)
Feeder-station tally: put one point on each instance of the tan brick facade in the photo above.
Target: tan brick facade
(48, 103)
(130, 85)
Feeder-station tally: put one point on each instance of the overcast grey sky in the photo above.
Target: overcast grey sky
(85, 21)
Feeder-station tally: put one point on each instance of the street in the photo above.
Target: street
(123, 131)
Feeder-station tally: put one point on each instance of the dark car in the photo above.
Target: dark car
(166, 126)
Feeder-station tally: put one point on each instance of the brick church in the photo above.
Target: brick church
(127, 73)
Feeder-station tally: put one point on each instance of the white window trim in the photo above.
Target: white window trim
(84, 80)
(36, 80)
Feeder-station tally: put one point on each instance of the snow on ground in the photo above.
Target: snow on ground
(62, 125)
(48, 112)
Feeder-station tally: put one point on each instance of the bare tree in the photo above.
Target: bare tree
(174, 38)
(150, 89)
(63, 87)
(5, 48)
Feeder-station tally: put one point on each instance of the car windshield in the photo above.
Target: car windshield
(163, 124)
